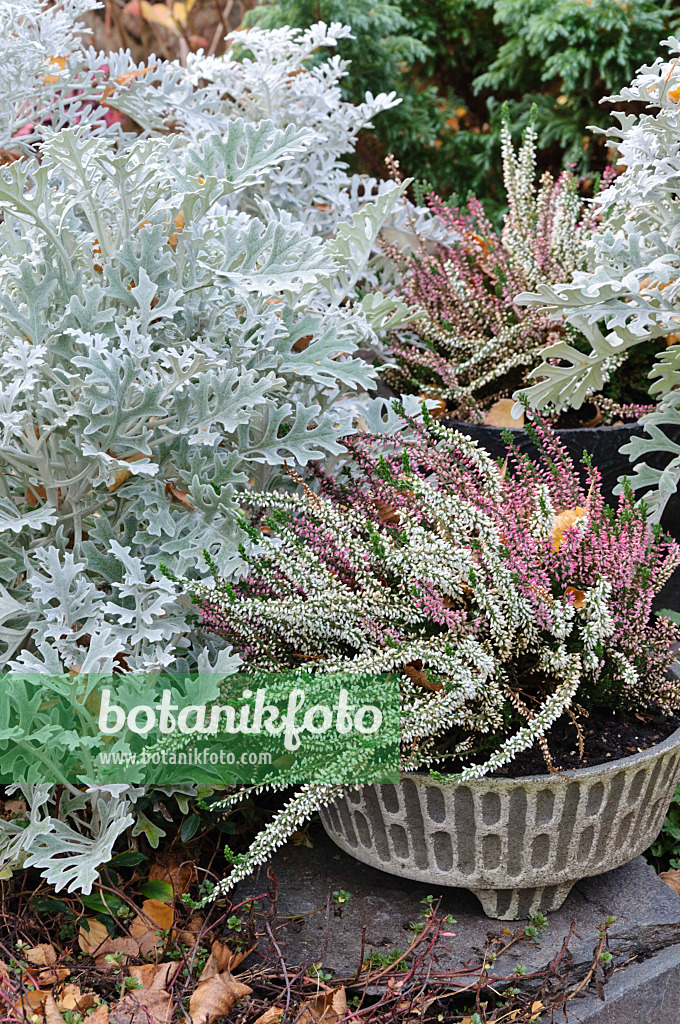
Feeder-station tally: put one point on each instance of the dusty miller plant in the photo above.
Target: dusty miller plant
(169, 336)
(630, 293)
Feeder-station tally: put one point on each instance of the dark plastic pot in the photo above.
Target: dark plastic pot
(603, 444)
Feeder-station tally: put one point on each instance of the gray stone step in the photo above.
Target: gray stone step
(646, 932)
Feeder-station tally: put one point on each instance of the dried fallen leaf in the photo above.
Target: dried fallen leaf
(272, 1015)
(181, 874)
(126, 78)
(671, 878)
(189, 935)
(12, 807)
(128, 947)
(52, 976)
(52, 1015)
(179, 227)
(155, 977)
(158, 14)
(500, 415)
(221, 960)
(579, 598)
(386, 513)
(328, 1007)
(417, 674)
(100, 1015)
(43, 955)
(182, 496)
(155, 917)
(674, 94)
(215, 997)
(142, 1007)
(436, 411)
(564, 521)
(73, 999)
(91, 935)
(673, 339)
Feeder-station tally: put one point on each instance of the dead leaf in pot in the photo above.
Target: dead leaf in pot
(155, 977)
(128, 947)
(436, 411)
(155, 917)
(75, 1000)
(178, 872)
(579, 598)
(52, 1015)
(417, 674)
(595, 420)
(272, 1015)
(564, 521)
(500, 415)
(386, 513)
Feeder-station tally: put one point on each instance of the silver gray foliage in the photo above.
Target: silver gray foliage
(630, 292)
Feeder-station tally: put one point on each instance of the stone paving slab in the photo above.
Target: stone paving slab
(647, 916)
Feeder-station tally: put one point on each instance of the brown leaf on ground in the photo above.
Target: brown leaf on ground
(52, 1015)
(14, 807)
(43, 955)
(272, 1015)
(52, 976)
(33, 999)
(155, 977)
(328, 1007)
(129, 947)
(221, 959)
(671, 878)
(91, 935)
(386, 513)
(500, 415)
(142, 1007)
(189, 935)
(100, 1015)
(156, 916)
(215, 997)
(180, 874)
(73, 999)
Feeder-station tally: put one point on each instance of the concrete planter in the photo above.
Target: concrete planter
(518, 844)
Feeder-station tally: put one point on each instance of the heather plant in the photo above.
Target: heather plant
(475, 344)
(627, 297)
(503, 598)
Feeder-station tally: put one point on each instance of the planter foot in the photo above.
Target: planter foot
(518, 904)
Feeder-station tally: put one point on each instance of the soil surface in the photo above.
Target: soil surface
(607, 737)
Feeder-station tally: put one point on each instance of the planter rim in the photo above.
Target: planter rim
(454, 424)
(566, 776)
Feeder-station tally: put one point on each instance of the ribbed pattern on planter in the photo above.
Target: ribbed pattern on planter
(519, 844)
